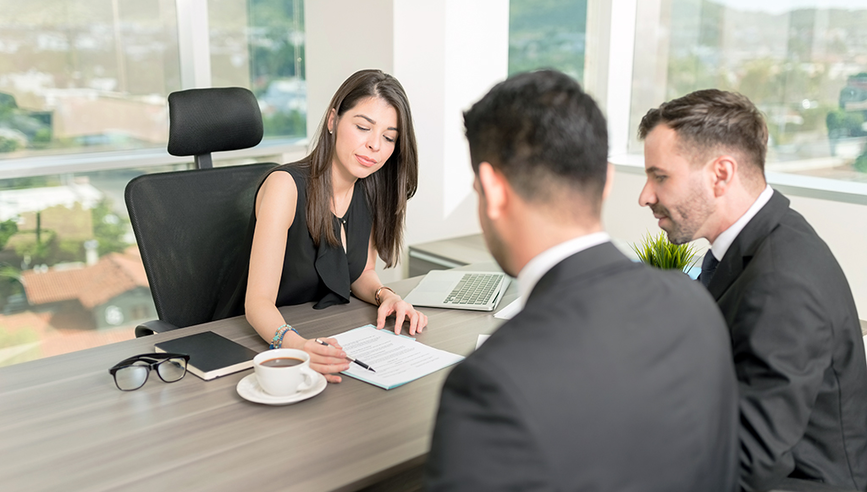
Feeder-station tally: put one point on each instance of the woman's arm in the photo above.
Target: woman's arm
(275, 211)
(365, 287)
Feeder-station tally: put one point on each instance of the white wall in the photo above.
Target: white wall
(342, 37)
(449, 55)
(446, 54)
(842, 226)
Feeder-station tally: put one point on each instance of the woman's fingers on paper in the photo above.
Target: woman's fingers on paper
(331, 351)
(328, 364)
(381, 314)
(333, 343)
(403, 312)
(330, 368)
(326, 360)
(419, 320)
(412, 317)
(399, 316)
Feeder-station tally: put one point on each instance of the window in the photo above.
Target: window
(83, 87)
(85, 75)
(68, 260)
(547, 35)
(260, 45)
(803, 63)
(93, 75)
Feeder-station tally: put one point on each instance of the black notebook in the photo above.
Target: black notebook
(211, 355)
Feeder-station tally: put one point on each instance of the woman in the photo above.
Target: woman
(323, 220)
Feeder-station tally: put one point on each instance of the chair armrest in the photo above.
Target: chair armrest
(153, 326)
(795, 485)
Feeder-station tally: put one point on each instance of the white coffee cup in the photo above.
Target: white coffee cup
(284, 372)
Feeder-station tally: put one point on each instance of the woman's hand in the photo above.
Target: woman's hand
(328, 360)
(402, 310)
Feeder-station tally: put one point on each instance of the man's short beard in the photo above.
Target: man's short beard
(692, 213)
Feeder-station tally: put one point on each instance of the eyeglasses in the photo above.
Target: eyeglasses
(132, 373)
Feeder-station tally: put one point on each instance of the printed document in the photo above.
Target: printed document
(397, 359)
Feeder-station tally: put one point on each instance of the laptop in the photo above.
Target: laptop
(460, 289)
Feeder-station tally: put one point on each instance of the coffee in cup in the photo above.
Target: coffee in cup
(282, 362)
(284, 372)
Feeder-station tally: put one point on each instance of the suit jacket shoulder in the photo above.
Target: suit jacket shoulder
(796, 342)
(613, 375)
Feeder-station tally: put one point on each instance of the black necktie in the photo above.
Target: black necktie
(708, 266)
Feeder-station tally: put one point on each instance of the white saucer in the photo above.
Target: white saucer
(250, 390)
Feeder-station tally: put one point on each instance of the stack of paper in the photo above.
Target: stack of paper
(397, 359)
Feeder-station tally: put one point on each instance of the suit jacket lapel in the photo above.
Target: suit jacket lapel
(597, 259)
(746, 243)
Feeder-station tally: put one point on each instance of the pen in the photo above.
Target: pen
(351, 359)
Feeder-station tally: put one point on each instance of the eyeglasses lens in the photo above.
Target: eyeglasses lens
(171, 370)
(133, 376)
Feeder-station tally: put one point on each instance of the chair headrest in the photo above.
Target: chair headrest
(216, 119)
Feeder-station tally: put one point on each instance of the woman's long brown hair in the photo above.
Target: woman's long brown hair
(388, 189)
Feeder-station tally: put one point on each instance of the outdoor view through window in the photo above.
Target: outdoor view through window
(84, 77)
(550, 34)
(803, 62)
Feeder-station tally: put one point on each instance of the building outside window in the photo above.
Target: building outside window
(83, 87)
(85, 75)
(803, 63)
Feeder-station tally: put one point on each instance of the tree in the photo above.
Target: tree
(9, 275)
(108, 228)
(8, 229)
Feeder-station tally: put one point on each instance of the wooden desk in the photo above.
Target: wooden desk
(65, 426)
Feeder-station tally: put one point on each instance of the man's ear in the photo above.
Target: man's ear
(494, 188)
(609, 182)
(723, 170)
(332, 116)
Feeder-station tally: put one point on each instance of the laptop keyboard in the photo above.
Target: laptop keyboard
(474, 288)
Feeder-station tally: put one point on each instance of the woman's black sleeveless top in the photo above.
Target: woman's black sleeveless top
(320, 274)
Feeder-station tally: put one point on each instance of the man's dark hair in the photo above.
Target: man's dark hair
(712, 119)
(543, 133)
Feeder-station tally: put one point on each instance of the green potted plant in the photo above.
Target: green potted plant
(657, 251)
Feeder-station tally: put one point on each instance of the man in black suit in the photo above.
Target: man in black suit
(795, 334)
(614, 375)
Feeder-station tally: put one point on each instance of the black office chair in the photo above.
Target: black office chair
(191, 225)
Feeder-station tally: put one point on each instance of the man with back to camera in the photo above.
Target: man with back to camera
(795, 333)
(588, 387)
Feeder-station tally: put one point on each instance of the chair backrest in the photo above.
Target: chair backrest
(191, 227)
(202, 121)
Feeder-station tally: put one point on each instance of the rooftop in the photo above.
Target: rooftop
(112, 275)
